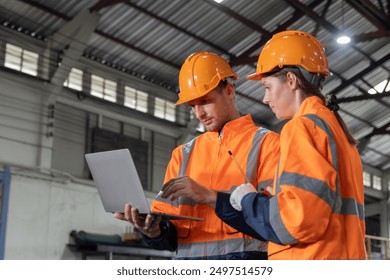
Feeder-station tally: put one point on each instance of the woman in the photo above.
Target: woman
(317, 210)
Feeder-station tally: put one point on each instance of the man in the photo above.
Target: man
(216, 160)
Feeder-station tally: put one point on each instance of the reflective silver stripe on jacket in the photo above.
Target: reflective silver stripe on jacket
(186, 152)
(346, 206)
(254, 154)
(216, 248)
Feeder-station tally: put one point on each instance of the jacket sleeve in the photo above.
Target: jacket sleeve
(256, 213)
(167, 240)
(232, 217)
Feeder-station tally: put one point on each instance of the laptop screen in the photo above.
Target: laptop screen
(117, 180)
(118, 183)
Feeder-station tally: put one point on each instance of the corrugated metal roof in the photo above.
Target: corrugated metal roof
(151, 38)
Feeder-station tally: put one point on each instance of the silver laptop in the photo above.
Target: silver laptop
(118, 183)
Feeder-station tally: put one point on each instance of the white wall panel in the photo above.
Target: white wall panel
(42, 213)
(20, 118)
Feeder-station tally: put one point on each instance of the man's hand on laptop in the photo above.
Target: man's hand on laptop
(185, 186)
(148, 225)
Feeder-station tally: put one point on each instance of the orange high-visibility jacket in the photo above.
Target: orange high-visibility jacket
(318, 208)
(206, 160)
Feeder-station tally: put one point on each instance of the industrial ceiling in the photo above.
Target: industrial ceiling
(151, 38)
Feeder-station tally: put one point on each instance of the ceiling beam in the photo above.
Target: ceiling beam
(384, 157)
(313, 15)
(180, 29)
(364, 97)
(379, 131)
(104, 4)
(46, 9)
(323, 14)
(324, 23)
(360, 75)
(383, 25)
(265, 34)
(359, 38)
(139, 50)
(238, 17)
(246, 57)
(376, 16)
(371, 12)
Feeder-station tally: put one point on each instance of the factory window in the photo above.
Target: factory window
(164, 109)
(377, 182)
(136, 99)
(75, 80)
(103, 88)
(21, 60)
(366, 179)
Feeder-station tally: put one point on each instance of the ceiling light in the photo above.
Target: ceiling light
(383, 86)
(218, 1)
(343, 39)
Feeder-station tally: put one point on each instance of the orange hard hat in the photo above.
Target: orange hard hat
(291, 48)
(200, 73)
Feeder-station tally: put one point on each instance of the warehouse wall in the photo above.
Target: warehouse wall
(42, 212)
(50, 192)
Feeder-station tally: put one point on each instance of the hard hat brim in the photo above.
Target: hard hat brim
(254, 77)
(179, 102)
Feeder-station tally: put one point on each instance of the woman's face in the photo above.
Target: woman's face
(280, 95)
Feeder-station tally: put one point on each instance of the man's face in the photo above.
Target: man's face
(212, 109)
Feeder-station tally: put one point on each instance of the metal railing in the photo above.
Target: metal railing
(377, 247)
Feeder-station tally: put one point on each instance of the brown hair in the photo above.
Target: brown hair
(314, 89)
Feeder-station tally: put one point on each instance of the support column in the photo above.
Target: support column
(68, 45)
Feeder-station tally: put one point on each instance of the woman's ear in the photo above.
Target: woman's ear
(292, 80)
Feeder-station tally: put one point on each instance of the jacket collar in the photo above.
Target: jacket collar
(310, 104)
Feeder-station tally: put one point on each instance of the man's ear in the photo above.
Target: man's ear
(230, 90)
